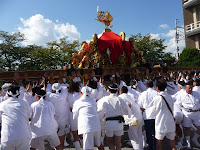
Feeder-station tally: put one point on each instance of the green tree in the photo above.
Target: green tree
(169, 59)
(189, 57)
(10, 50)
(65, 48)
(14, 56)
(153, 49)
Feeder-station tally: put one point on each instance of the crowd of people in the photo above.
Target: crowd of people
(151, 105)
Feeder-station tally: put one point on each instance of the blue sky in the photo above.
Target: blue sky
(45, 20)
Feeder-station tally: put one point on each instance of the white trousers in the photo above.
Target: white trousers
(90, 139)
(135, 135)
(18, 144)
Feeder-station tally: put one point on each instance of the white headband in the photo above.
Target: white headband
(41, 96)
(86, 90)
(180, 86)
(112, 88)
(13, 95)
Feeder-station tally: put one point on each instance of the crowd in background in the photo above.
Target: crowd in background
(153, 105)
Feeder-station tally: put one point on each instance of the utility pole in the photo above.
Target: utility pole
(177, 38)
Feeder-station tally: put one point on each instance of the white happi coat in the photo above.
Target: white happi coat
(176, 95)
(112, 106)
(164, 121)
(85, 110)
(97, 93)
(134, 132)
(135, 108)
(3, 97)
(43, 121)
(60, 104)
(145, 99)
(171, 88)
(15, 114)
(196, 88)
(71, 98)
(141, 87)
(29, 98)
(188, 101)
(133, 93)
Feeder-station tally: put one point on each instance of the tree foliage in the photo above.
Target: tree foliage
(153, 49)
(14, 56)
(190, 57)
(10, 50)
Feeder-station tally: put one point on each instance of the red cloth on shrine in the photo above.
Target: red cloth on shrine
(113, 42)
(87, 47)
(129, 50)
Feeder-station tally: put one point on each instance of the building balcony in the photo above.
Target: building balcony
(188, 3)
(192, 29)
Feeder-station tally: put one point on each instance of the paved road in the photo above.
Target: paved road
(166, 145)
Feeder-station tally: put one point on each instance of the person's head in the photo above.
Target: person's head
(196, 82)
(149, 84)
(5, 87)
(40, 94)
(181, 85)
(56, 88)
(74, 87)
(124, 89)
(13, 91)
(92, 84)
(113, 88)
(161, 85)
(86, 91)
(189, 87)
(134, 84)
(34, 90)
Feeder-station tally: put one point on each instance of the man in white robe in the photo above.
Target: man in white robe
(43, 123)
(113, 108)
(189, 103)
(135, 116)
(85, 110)
(15, 114)
(58, 98)
(196, 85)
(162, 108)
(144, 101)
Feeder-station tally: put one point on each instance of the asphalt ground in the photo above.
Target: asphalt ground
(125, 146)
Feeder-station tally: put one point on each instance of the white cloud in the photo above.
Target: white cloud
(39, 31)
(171, 33)
(164, 26)
(172, 46)
(171, 42)
(155, 36)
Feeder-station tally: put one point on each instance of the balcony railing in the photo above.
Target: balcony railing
(188, 3)
(193, 28)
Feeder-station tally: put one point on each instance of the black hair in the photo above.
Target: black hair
(181, 83)
(190, 82)
(113, 88)
(124, 89)
(41, 93)
(149, 84)
(74, 87)
(92, 84)
(13, 89)
(197, 82)
(54, 91)
(161, 85)
(35, 89)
